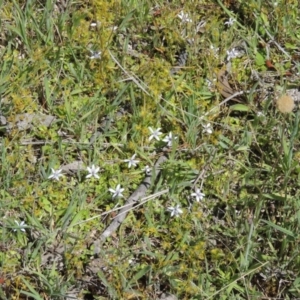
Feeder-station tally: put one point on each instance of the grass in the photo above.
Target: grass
(240, 241)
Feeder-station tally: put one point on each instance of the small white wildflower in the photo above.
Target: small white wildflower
(199, 196)
(131, 161)
(95, 54)
(55, 174)
(230, 22)
(260, 114)
(169, 139)
(210, 84)
(214, 50)
(233, 53)
(175, 210)
(154, 133)
(147, 170)
(184, 17)
(117, 192)
(95, 24)
(131, 261)
(21, 226)
(93, 172)
(207, 129)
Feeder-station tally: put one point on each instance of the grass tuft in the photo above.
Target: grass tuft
(149, 148)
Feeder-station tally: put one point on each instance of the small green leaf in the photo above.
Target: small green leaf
(259, 59)
(239, 107)
(242, 148)
(265, 19)
(45, 204)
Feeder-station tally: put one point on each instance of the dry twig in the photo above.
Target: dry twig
(138, 194)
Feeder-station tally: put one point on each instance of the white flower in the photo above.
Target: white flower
(21, 226)
(207, 129)
(95, 54)
(93, 172)
(147, 170)
(260, 114)
(233, 53)
(131, 161)
(154, 133)
(175, 211)
(169, 139)
(184, 17)
(95, 24)
(230, 22)
(210, 83)
(199, 196)
(131, 261)
(55, 174)
(214, 50)
(117, 192)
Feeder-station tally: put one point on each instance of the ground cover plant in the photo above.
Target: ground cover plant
(149, 149)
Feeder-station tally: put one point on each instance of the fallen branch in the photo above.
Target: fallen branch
(138, 194)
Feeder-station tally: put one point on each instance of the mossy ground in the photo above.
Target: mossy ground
(241, 240)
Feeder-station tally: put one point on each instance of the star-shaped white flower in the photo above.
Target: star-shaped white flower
(175, 210)
(95, 54)
(93, 172)
(155, 133)
(169, 139)
(132, 161)
(207, 128)
(230, 22)
(55, 174)
(184, 17)
(233, 53)
(199, 196)
(214, 50)
(117, 192)
(260, 114)
(21, 226)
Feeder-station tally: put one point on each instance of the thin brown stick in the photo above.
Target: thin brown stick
(137, 195)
